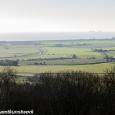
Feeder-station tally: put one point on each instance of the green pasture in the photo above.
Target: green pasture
(108, 48)
(96, 68)
(21, 51)
(63, 61)
(53, 52)
(25, 50)
(80, 42)
(111, 53)
(70, 51)
(7, 55)
(99, 41)
(36, 56)
(90, 56)
(80, 52)
(64, 43)
(32, 69)
(8, 52)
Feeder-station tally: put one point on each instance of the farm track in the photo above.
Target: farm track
(103, 54)
(36, 53)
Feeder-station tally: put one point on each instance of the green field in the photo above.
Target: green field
(32, 69)
(64, 61)
(80, 52)
(84, 53)
(108, 48)
(80, 42)
(111, 53)
(34, 56)
(70, 51)
(25, 50)
(28, 51)
(31, 52)
(8, 52)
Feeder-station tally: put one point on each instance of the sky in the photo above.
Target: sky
(57, 15)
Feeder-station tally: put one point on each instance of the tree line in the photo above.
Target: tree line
(8, 62)
(68, 93)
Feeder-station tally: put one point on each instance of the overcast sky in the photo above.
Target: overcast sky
(57, 15)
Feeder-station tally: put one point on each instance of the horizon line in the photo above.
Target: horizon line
(61, 32)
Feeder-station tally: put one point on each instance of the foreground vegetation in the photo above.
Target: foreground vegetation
(66, 93)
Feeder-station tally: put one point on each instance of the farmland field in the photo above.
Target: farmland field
(108, 48)
(31, 69)
(111, 53)
(53, 52)
(58, 58)
(21, 51)
(64, 61)
(80, 52)
(26, 50)
(80, 42)
(69, 51)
